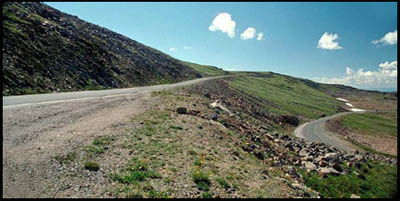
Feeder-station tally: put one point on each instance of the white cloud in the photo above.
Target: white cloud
(187, 47)
(172, 49)
(327, 42)
(249, 33)
(389, 39)
(224, 23)
(384, 77)
(260, 36)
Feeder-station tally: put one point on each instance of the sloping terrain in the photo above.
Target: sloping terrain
(200, 141)
(288, 95)
(185, 147)
(206, 70)
(45, 50)
(375, 132)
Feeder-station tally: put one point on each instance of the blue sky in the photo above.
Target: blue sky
(289, 45)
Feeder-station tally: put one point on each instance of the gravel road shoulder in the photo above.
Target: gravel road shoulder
(33, 135)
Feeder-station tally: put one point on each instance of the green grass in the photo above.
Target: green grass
(103, 140)
(92, 150)
(286, 95)
(380, 182)
(137, 170)
(206, 195)
(201, 179)
(371, 123)
(67, 159)
(222, 182)
(176, 127)
(91, 165)
(206, 70)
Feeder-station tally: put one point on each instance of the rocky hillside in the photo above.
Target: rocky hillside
(45, 50)
(200, 142)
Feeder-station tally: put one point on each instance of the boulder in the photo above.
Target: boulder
(260, 155)
(181, 110)
(330, 157)
(303, 153)
(323, 163)
(292, 120)
(309, 158)
(310, 166)
(194, 112)
(214, 117)
(337, 167)
(277, 163)
(358, 157)
(358, 165)
(325, 171)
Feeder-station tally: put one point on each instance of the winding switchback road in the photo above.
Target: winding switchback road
(316, 131)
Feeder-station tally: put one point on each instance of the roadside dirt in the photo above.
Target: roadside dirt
(382, 143)
(34, 135)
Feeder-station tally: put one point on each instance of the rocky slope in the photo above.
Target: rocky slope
(45, 50)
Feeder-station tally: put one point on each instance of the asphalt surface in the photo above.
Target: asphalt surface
(26, 100)
(316, 131)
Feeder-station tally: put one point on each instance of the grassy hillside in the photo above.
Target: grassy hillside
(206, 70)
(379, 181)
(287, 95)
(45, 50)
(371, 124)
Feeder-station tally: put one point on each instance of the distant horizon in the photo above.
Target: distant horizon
(384, 89)
(349, 43)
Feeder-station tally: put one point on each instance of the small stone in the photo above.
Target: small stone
(303, 153)
(337, 167)
(354, 196)
(310, 166)
(181, 110)
(260, 155)
(330, 157)
(323, 163)
(214, 117)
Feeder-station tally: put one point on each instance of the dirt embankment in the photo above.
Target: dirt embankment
(385, 144)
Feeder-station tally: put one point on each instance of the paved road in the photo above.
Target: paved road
(37, 128)
(315, 131)
(25, 100)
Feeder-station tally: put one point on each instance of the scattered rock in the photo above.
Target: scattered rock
(181, 110)
(330, 157)
(323, 163)
(325, 171)
(303, 153)
(310, 166)
(194, 112)
(337, 167)
(358, 165)
(214, 117)
(292, 120)
(260, 155)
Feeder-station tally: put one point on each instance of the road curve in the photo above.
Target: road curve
(38, 128)
(25, 100)
(315, 131)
